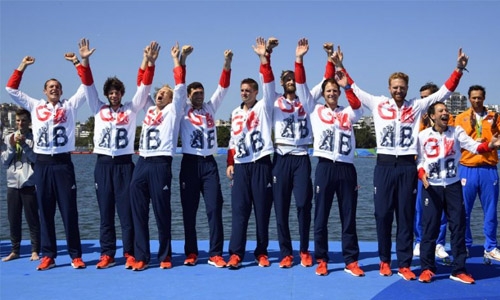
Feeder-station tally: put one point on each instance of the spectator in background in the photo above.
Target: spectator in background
(19, 158)
(478, 172)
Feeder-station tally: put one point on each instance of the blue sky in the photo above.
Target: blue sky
(420, 38)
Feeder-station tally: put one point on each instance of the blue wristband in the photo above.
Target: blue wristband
(347, 87)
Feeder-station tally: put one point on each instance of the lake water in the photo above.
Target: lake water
(89, 212)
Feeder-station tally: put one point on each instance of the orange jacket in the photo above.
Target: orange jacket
(488, 130)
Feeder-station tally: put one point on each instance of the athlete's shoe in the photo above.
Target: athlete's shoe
(463, 278)
(77, 263)
(130, 261)
(354, 269)
(385, 269)
(140, 265)
(234, 262)
(416, 250)
(306, 259)
(286, 262)
(493, 254)
(263, 261)
(322, 268)
(441, 252)
(216, 261)
(105, 262)
(191, 260)
(46, 263)
(426, 276)
(166, 264)
(407, 274)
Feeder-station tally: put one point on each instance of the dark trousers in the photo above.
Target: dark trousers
(152, 179)
(251, 186)
(56, 185)
(435, 200)
(292, 173)
(17, 199)
(341, 179)
(112, 181)
(200, 174)
(395, 186)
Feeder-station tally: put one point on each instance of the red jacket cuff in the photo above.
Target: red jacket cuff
(180, 74)
(15, 79)
(85, 75)
(230, 157)
(329, 70)
(352, 99)
(483, 147)
(421, 173)
(140, 75)
(148, 75)
(452, 82)
(267, 72)
(225, 78)
(300, 73)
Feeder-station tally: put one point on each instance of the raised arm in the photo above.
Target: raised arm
(266, 72)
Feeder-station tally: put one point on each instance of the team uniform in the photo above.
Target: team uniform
(199, 171)
(54, 175)
(417, 230)
(395, 174)
(21, 192)
(438, 157)
(114, 135)
(479, 174)
(334, 144)
(252, 146)
(152, 177)
(292, 166)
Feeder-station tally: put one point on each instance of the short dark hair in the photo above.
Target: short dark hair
(251, 82)
(286, 72)
(193, 86)
(113, 83)
(23, 112)
(52, 79)
(429, 86)
(327, 81)
(432, 109)
(477, 88)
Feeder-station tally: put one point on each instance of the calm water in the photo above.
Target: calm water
(89, 214)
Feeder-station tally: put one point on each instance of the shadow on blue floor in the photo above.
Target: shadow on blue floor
(20, 280)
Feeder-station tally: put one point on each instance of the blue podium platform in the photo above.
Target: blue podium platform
(20, 280)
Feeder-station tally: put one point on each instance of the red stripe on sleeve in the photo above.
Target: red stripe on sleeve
(15, 79)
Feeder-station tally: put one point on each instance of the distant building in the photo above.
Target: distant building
(457, 103)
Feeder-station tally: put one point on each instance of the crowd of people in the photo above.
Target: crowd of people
(427, 174)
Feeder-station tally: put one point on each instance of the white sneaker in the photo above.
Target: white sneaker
(493, 254)
(441, 252)
(416, 250)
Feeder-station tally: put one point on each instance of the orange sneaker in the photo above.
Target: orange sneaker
(105, 262)
(306, 259)
(262, 261)
(385, 269)
(463, 278)
(322, 269)
(354, 269)
(77, 263)
(140, 266)
(286, 262)
(234, 262)
(130, 261)
(217, 261)
(191, 260)
(426, 276)
(407, 274)
(46, 263)
(166, 264)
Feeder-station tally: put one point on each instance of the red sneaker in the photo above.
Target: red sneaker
(354, 269)
(286, 262)
(263, 261)
(407, 274)
(77, 263)
(385, 269)
(166, 264)
(105, 262)
(130, 261)
(234, 262)
(217, 261)
(322, 269)
(46, 263)
(463, 278)
(426, 276)
(191, 260)
(306, 259)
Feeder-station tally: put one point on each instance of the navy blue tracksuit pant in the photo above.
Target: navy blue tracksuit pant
(152, 179)
(435, 200)
(200, 174)
(395, 188)
(336, 178)
(251, 186)
(112, 177)
(292, 173)
(55, 185)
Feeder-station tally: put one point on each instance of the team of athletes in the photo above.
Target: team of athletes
(263, 171)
